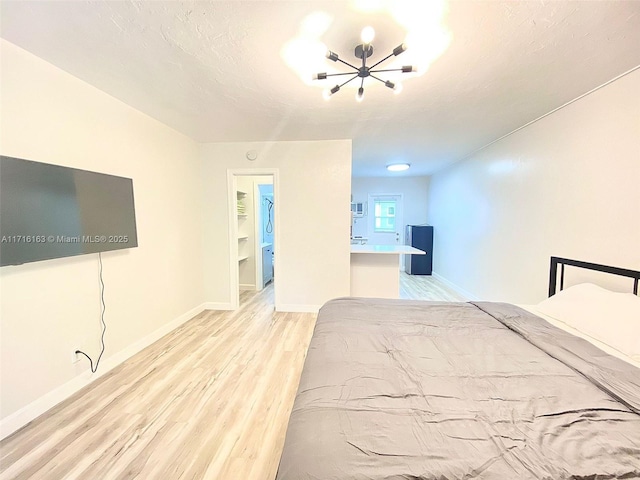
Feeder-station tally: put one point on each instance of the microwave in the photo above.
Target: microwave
(358, 209)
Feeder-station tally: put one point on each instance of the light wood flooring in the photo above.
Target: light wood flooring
(210, 400)
(426, 287)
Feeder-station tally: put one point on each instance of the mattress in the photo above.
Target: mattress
(396, 389)
(611, 350)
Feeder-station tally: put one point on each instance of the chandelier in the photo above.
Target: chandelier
(364, 51)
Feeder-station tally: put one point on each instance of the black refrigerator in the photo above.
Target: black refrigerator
(421, 237)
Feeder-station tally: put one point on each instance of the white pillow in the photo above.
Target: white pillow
(610, 317)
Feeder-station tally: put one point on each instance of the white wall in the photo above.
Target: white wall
(567, 185)
(312, 222)
(50, 308)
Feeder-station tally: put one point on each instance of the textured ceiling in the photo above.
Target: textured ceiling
(216, 72)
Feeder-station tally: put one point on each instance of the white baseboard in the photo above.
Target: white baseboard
(298, 308)
(247, 286)
(453, 286)
(279, 308)
(17, 420)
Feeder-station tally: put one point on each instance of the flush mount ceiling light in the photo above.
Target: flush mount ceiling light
(364, 51)
(398, 167)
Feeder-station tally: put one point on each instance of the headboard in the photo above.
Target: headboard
(555, 261)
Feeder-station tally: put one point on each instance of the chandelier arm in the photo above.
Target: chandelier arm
(379, 79)
(387, 70)
(337, 74)
(347, 63)
(352, 78)
(385, 58)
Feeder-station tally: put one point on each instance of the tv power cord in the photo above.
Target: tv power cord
(104, 325)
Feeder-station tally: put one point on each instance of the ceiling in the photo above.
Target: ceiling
(217, 70)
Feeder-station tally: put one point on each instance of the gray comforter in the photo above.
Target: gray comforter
(427, 390)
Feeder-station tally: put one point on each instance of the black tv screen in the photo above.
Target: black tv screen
(49, 211)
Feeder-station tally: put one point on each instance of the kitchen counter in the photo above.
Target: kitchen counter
(375, 269)
(387, 249)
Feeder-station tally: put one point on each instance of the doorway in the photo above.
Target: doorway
(265, 224)
(253, 233)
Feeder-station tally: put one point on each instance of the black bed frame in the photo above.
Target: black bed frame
(553, 273)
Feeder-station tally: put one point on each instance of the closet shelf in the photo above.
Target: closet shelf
(243, 258)
(243, 237)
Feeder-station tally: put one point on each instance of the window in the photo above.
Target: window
(384, 216)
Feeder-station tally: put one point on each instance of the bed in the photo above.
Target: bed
(398, 389)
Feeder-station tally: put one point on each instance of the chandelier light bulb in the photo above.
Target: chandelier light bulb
(367, 35)
(400, 49)
(330, 91)
(331, 55)
(397, 89)
(360, 95)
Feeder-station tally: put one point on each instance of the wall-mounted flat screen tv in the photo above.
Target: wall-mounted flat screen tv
(49, 211)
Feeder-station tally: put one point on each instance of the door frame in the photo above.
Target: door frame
(232, 186)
